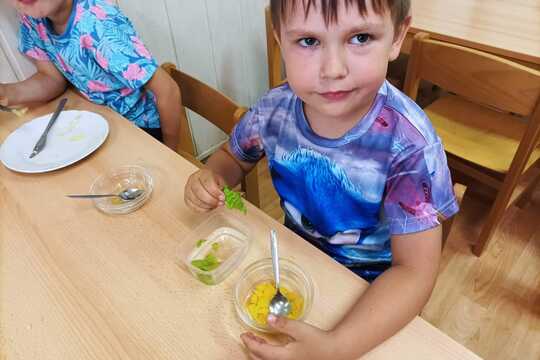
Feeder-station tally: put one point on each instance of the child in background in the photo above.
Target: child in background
(359, 169)
(92, 45)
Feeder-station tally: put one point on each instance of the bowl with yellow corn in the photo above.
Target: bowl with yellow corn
(256, 288)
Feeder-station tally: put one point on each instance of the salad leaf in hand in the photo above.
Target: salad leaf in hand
(233, 200)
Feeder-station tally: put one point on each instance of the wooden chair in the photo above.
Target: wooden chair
(489, 122)
(216, 108)
(273, 52)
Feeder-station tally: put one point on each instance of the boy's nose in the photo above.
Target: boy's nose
(334, 65)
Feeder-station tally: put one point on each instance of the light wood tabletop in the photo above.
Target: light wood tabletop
(79, 284)
(508, 28)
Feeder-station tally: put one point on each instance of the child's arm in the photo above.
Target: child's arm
(392, 301)
(169, 104)
(396, 296)
(46, 84)
(204, 189)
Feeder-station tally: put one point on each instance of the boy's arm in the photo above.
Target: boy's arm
(225, 164)
(46, 84)
(391, 302)
(395, 297)
(169, 104)
(204, 189)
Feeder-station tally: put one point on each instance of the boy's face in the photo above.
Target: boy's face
(37, 8)
(337, 70)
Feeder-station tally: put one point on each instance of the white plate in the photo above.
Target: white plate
(75, 135)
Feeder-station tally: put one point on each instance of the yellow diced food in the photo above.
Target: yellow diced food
(259, 300)
(117, 201)
(20, 112)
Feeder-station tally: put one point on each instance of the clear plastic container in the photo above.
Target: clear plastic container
(118, 180)
(292, 277)
(215, 247)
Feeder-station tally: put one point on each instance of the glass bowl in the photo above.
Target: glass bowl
(292, 278)
(215, 247)
(117, 180)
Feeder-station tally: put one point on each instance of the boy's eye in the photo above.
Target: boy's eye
(360, 39)
(308, 42)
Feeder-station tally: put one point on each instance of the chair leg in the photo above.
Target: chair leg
(495, 215)
(526, 196)
(447, 224)
(446, 227)
(250, 184)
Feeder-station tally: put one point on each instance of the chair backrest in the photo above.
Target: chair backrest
(476, 75)
(275, 77)
(206, 101)
(215, 107)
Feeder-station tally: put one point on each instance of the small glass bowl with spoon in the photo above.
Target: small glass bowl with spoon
(121, 190)
(254, 291)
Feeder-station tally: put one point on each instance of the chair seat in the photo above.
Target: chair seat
(477, 134)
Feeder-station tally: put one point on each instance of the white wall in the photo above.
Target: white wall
(221, 42)
(6, 72)
(19, 66)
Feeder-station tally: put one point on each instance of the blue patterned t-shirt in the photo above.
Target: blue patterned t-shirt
(387, 175)
(101, 55)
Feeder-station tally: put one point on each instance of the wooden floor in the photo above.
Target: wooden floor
(490, 304)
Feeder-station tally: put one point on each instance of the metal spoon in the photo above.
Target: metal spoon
(279, 305)
(126, 195)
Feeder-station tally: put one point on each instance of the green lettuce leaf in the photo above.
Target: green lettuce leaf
(209, 263)
(233, 200)
(200, 242)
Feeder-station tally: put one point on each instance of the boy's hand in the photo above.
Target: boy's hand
(3, 95)
(308, 342)
(203, 191)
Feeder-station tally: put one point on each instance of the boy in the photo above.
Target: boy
(91, 44)
(359, 169)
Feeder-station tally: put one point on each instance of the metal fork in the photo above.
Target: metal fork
(5, 108)
(43, 138)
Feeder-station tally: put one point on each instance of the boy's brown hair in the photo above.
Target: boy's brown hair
(399, 9)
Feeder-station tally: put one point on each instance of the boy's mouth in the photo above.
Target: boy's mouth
(27, 2)
(335, 95)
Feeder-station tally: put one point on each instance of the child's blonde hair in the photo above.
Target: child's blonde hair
(399, 9)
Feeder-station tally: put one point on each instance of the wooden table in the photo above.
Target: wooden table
(509, 28)
(78, 284)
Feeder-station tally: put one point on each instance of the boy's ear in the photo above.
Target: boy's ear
(398, 38)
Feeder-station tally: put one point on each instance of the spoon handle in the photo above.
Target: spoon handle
(275, 256)
(87, 196)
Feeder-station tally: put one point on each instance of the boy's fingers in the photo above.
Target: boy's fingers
(212, 188)
(194, 206)
(255, 338)
(202, 199)
(298, 330)
(3, 97)
(220, 183)
(261, 349)
(200, 192)
(252, 336)
(189, 202)
(197, 196)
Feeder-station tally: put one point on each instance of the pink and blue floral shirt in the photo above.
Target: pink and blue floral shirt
(101, 55)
